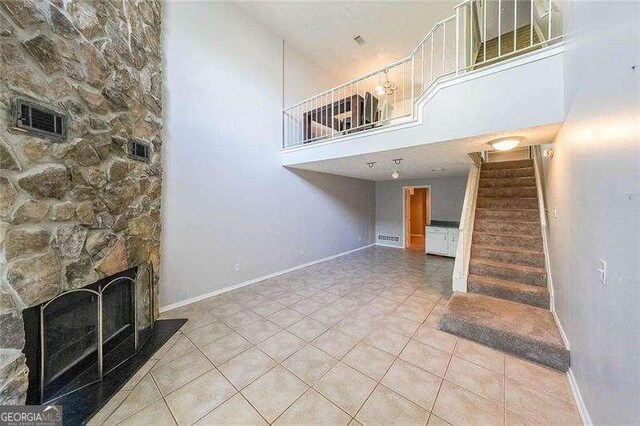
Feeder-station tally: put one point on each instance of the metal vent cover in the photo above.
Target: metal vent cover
(388, 238)
(37, 119)
(139, 150)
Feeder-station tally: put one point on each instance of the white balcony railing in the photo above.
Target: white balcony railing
(477, 35)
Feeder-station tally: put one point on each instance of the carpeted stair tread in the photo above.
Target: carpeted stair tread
(523, 330)
(533, 242)
(513, 215)
(506, 173)
(530, 203)
(523, 274)
(514, 164)
(517, 192)
(515, 182)
(504, 227)
(510, 290)
(516, 255)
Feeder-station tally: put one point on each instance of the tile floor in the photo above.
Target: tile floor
(353, 340)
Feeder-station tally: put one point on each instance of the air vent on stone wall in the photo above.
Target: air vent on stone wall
(40, 120)
(139, 150)
(388, 238)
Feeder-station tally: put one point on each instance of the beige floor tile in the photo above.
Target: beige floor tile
(514, 419)
(308, 329)
(345, 387)
(458, 406)
(309, 363)
(436, 338)
(157, 414)
(181, 371)
(268, 308)
(246, 367)
(135, 379)
(226, 309)
(477, 379)
(241, 318)
(328, 315)
(354, 422)
(197, 398)
(411, 312)
(480, 354)
(307, 306)
(143, 395)
(208, 333)
(413, 383)
(235, 411)
(281, 345)
(543, 407)
(385, 407)
(108, 409)
(335, 343)
(167, 346)
(285, 317)
(226, 348)
(369, 360)
(258, 331)
(426, 357)
(274, 392)
(539, 377)
(436, 421)
(182, 347)
(387, 340)
(313, 409)
(197, 319)
(398, 324)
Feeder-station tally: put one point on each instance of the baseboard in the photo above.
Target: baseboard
(565, 339)
(255, 280)
(577, 396)
(387, 245)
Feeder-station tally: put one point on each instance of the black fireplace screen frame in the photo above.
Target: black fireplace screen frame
(34, 319)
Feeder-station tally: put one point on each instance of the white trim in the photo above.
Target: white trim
(255, 280)
(388, 245)
(577, 396)
(404, 229)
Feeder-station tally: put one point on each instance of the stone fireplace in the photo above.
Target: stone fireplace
(75, 208)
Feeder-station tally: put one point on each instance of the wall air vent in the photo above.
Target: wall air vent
(139, 150)
(358, 39)
(40, 120)
(388, 238)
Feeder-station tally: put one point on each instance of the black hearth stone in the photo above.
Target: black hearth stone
(79, 406)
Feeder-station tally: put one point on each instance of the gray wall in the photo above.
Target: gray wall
(447, 197)
(593, 184)
(228, 199)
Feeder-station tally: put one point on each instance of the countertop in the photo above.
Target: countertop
(444, 224)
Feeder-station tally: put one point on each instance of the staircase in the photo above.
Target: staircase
(507, 304)
(522, 40)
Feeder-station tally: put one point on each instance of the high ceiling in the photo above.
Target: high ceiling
(324, 31)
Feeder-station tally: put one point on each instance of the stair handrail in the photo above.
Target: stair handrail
(465, 233)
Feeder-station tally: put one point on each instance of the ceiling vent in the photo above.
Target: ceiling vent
(139, 150)
(40, 120)
(359, 40)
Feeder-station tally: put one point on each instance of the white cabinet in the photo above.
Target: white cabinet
(442, 241)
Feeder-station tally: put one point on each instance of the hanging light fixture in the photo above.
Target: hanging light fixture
(396, 161)
(395, 174)
(387, 87)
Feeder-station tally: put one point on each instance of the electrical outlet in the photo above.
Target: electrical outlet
(237, 267)
(555, 213)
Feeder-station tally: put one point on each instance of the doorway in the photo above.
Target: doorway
(416, 216)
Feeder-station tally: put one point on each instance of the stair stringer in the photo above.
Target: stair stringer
(542, 208)
(465, 236)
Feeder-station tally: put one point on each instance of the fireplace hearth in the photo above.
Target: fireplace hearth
(79, 337)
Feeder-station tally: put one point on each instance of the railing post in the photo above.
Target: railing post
(413, 83)
(457, 40)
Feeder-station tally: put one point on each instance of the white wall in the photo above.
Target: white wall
(303, 78)
(447, 197)
(593, 183)
(227, 199)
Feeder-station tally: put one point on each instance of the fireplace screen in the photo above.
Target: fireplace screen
(83, 334)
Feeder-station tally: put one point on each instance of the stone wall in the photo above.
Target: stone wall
(77, 209)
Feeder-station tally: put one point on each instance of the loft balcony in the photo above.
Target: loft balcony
(486, 59)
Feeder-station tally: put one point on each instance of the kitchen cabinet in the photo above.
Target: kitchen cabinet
(441, 240)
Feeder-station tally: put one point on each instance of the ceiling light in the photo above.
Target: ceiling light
(371, 164)
(505, 144)
(397, 161)
(395, 174)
